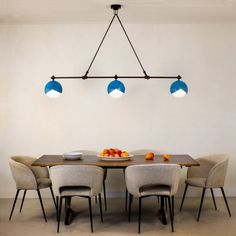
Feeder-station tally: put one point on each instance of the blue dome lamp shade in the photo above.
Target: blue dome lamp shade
(53, 89)
(116, 89)
(178, 89)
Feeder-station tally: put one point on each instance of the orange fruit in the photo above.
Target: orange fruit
(113, 152)
(149, 156)
(166, 157)
(124, 154)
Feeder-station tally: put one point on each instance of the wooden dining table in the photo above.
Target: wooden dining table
(53, 160)
(184, 160)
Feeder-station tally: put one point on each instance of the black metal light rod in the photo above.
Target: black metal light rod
(116, 77)
(115, 8)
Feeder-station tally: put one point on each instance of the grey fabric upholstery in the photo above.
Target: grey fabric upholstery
(196, 181)
(43, 183)
(94, 153)
(75, 191)
(27, 176)
(152, 179)
(77, 180)
(76, 176)
(210, 174)
(161, 190)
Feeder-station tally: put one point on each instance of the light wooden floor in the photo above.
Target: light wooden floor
(31, 223)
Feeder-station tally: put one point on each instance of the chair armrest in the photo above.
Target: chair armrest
(217, 174)
(23, 176)
(200, 171)
(40, 172)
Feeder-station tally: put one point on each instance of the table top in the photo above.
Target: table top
(52, 160)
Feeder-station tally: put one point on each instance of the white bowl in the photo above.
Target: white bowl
(75, 155)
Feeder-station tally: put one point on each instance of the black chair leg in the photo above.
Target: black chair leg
(126, 199)
(57, 208)
(173, 207)
(17, 193)
(23, 199)
(165, 199)
(53, 197)
(100, 205)
(171, 214)
(139, 214)
(185, 190)
(65, 204)
(213, 197)
(96, 199)
(126, 194)
(130, 202)
(41, 202)
(90, 214)
(226, 203)
(68, 210)
(59, 215)
(104, 194)
(161, 211)
(199, 212)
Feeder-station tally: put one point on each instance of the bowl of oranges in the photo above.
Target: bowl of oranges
(114, 154)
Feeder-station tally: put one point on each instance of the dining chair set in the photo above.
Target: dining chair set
(144, 180)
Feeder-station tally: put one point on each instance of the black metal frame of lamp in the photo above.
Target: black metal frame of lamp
(116, 77)
(115, 8)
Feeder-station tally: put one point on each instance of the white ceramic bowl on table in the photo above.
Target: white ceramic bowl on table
(75, 155)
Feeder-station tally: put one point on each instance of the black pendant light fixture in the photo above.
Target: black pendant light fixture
(116, 88)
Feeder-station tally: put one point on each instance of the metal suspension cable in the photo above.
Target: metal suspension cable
(104, 36)
(115, 8)
(136, 55)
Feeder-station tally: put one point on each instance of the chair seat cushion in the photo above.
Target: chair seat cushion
(196, 181)
(75, 191)
(43, 182)
(148, 190)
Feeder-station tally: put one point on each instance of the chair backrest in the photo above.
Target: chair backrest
(22, 174)
(213, 168)
(39, 172)
(75, 176)
(137, 176)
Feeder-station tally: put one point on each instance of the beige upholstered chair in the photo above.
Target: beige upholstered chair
(77, 180)
(152, 180)
(28, 177)
(210, 174)
(94, 153)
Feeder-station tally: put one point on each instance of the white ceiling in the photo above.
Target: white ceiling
(140, 11)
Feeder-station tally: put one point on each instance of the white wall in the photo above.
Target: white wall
(85, 117)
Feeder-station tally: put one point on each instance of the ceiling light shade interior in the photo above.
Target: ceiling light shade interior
(178, 89)
(53, 89)
(116, 89)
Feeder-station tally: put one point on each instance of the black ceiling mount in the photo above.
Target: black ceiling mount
(115, 8)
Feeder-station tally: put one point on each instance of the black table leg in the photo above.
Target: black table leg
(161, 212)
(68, 211)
